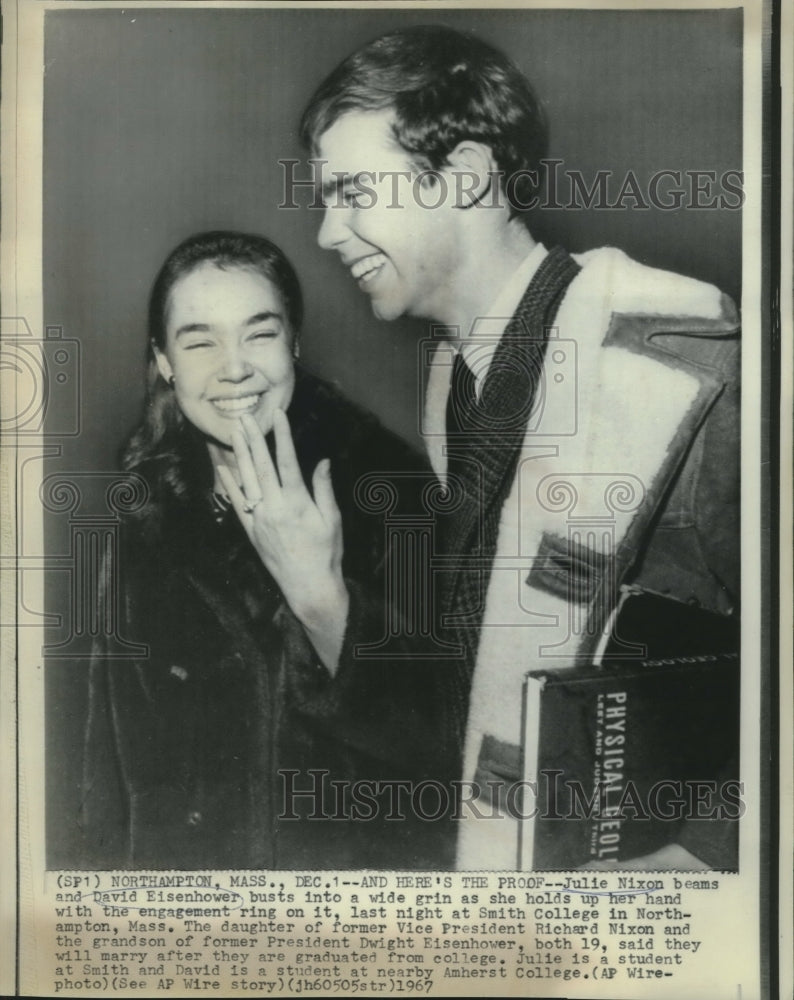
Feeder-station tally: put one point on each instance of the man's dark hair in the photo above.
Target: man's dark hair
(444, 87)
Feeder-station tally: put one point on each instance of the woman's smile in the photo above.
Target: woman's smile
(234, 406)
(228, 349)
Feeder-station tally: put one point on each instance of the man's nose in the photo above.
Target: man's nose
(334, 229)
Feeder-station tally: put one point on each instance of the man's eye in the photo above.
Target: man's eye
(264, 335)
(197, 345)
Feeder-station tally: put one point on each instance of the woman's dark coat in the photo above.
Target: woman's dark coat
(192, 752)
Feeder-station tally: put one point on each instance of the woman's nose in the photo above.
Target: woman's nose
(236, 366)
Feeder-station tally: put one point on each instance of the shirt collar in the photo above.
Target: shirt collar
(479, 345)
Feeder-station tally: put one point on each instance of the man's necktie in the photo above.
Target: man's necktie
(462, 396)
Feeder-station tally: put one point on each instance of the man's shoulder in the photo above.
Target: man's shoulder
(650, 310)
(636, 288)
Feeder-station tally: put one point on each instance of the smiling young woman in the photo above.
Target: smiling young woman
(252, 574)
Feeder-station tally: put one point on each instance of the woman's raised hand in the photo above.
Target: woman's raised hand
(298, 537)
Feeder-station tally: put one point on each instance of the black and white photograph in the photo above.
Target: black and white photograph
(394, 500)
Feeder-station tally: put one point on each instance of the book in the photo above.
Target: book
(617, 756)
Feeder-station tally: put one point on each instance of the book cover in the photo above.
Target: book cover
(618, 756)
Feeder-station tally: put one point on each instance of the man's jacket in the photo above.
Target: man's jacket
(627, 475)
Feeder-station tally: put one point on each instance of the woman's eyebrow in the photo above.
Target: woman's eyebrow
(192, 328)
(263, 317)
(260, 317)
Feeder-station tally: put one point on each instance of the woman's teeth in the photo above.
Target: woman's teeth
(238, 405)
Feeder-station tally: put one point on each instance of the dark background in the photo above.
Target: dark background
(162, 123)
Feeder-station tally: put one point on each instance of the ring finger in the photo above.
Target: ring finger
(245, 466)
(260, 455)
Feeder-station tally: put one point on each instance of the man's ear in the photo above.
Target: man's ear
(473, 166)
(163, 364)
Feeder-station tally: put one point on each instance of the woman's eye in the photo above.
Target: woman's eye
(197, 345)
(264, 335)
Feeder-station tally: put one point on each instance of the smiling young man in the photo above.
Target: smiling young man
(583, 411)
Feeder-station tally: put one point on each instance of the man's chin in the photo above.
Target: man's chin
(386, 311)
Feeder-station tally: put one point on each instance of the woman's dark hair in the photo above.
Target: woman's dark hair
(444, 87)
(165, 444)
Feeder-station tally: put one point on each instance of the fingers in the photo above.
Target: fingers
(259, 459)
(288, 468)
(234, 492)
(324, 492)
(261, 479)
(245, 466)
